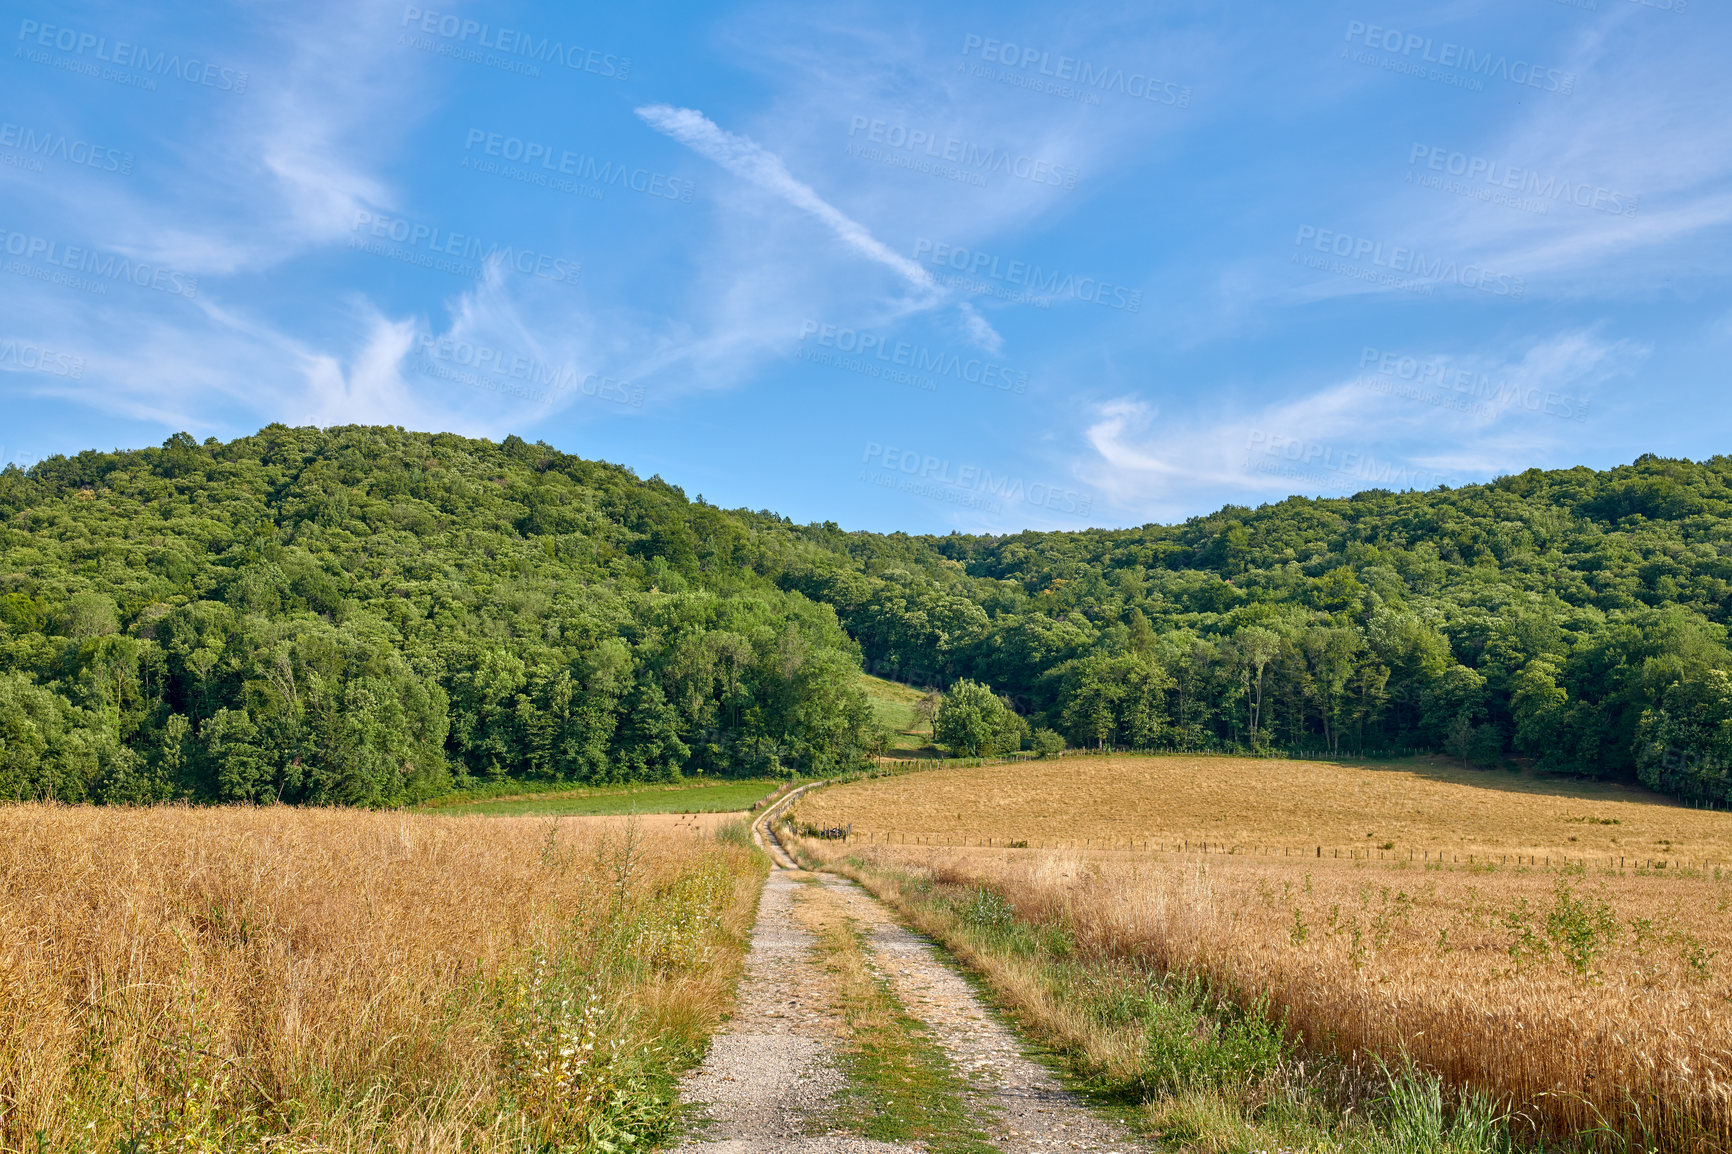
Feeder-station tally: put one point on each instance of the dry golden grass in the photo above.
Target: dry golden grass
(212, 979)
(657, 825)
(1587, 999)
(1422, 805)
(1588, 995)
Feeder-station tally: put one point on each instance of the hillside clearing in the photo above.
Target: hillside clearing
(893, 711)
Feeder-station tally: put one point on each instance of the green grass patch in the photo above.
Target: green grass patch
(724, 796)
(893, 711)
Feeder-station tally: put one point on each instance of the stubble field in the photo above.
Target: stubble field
(1422, 805)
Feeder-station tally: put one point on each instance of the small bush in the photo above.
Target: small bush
(1581, 928)
(737, 831)
(984, 909)
(1046, 743)
(1197, 1039)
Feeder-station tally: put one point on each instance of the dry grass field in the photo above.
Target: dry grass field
(1585, 997)
(1420, 805)
(212, 979)
(660, 826)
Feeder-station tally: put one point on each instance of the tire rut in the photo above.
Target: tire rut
(767, 1082)
(1025, 1109)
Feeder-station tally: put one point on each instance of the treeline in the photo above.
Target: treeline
(1575, 618)
(368, 616)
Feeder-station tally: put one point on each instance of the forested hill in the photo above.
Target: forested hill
(1573, 617)
(364, 615)
(367, 615)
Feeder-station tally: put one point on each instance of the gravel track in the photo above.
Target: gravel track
(768, 1081)
(1024, 1108)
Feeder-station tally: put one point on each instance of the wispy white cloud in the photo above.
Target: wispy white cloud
(371, 389)
(281, 168)
(1663, 145)
(746, 159)
(979, 330)
(281, 171)
(1155, 464)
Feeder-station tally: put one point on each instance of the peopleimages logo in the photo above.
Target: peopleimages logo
(1040, 284)
(517, 366)
(1465, 61)
(32, 358)
(514, 43)
(917, 358)
(92, 262)
(1303, 459)
(1500, 177)
(121, 54)
(927, 475)
(1375, 257)
(1436, 381)
(557, 162)
(981, 158)
(1092, 77)
(455, 252)
(58, 146)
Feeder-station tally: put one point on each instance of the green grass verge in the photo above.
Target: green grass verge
(683, 797)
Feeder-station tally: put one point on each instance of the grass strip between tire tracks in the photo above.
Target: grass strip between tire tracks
(902, 1086)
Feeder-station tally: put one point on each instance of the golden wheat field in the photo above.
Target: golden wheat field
(340, 980)
(1419, 806)
(1584, 999)
(1586, 996)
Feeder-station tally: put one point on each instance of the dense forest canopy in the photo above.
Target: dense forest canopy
(366, 615)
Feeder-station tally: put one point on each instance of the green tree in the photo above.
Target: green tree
(647, 746)
(973, 722)
(1330, 657)
(1540, 707)
(1685, 742)
(1142, 635)
(1256, 648)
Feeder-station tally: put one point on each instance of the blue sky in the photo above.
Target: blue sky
(979, 266)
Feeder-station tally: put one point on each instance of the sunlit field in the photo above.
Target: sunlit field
(205, 979)
(1578, 994)
(721, 796)
(1419, 807)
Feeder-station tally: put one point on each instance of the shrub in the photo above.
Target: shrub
(1047, 743)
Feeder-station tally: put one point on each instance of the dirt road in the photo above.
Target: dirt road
(774, 1082)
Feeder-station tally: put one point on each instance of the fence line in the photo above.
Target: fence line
(1127, 751)
(1327, 853)
(888, 764)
